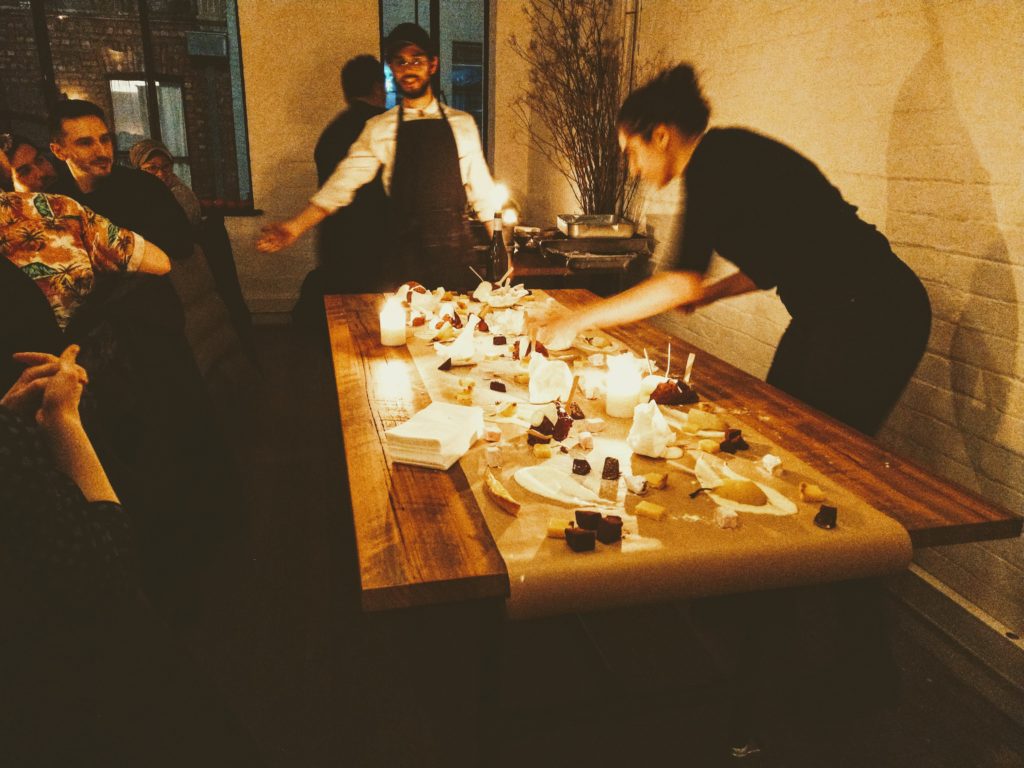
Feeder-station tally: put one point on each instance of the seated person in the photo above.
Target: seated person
(62, 245)
(154, 158)
(90, 673)
(30, 169)
(80, 136)
(61, 518)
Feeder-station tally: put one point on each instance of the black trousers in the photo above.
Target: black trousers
(853, 359)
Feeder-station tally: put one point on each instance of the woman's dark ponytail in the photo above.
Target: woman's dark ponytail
(673, 97)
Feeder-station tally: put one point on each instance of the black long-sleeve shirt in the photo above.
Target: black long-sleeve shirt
(138, 201)
(774, 214)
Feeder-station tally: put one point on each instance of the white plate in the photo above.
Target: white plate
(584, 343)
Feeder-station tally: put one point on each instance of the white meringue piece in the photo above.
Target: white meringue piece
(549, 380)
(649, 435)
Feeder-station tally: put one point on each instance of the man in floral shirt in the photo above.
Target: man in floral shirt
(61, 245)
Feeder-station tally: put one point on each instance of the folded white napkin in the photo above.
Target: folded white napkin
(437, 433)
(428, 460)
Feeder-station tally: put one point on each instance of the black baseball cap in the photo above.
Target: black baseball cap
(405, 34)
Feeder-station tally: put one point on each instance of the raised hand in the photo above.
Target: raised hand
(25, 395)
(62, 392)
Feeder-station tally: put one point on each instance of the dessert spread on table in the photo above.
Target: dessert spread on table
(541, 417)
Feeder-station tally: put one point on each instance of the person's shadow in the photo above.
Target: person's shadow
(942, 221)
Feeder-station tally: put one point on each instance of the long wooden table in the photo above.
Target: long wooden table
(422, 538)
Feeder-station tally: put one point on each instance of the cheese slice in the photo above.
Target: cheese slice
(650, 510)
(500, 495)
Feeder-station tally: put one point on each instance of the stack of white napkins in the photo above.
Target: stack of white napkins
(437, 436)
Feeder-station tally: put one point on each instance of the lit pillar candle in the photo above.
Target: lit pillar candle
(622, 386)
(392, 324)
(509, 219)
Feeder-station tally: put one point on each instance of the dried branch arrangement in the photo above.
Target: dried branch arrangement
(575, 87)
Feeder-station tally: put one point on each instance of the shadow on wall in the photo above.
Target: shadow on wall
(943, 224)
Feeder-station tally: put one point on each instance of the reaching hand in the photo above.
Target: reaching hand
(276, 236)
(26, 394)
(556, 328)
(62, 393)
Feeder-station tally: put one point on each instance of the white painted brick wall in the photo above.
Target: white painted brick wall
(916, 112)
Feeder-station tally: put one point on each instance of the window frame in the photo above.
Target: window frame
(122, 154)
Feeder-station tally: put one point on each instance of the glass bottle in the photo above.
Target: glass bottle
(497, 263)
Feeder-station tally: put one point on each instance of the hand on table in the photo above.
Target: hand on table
(556, 328)
(26, 394)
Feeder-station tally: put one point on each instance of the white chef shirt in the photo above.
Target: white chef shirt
(376, 147)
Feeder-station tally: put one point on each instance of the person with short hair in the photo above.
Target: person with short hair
(432, 164)
(80, 136)
(860, 316)
(153, 157)
(30, 169)
(346, 240)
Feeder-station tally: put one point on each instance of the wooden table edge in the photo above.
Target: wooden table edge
(490, 580)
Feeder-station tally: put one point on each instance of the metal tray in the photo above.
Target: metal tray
(596, 252)
(593, 225)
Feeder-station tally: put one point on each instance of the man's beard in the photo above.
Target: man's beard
(413, 94)
(101, 168)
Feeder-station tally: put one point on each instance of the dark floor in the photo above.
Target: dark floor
(318, 683)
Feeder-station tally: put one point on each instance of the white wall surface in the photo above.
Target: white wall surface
(915, 111)
(292, 54)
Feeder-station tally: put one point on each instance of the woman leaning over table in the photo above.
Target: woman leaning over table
(860, 316)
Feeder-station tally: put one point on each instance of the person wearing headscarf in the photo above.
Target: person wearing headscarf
(153, 157)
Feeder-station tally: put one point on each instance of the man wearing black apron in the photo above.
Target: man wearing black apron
(433, 168)
(429, 202)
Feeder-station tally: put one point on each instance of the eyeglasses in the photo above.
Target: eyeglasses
(415, 61)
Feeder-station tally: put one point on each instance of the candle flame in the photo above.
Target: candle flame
(500, 196)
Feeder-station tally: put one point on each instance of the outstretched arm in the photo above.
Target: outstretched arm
(281, 234)
(663, 291)
(735, 284)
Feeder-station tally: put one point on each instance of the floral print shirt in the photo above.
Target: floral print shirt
(61, 245)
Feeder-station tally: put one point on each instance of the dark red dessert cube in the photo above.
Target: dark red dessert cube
(826, 517)
(673, 392)
(588, 519)
(499, 386)
(580, 539)
(733, 441)
(611, 469)
(609, 530)
(580, 467)
(499, 341)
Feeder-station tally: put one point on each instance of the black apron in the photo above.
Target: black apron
(433, 244)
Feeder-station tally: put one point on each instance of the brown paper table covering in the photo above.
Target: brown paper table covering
(684, 556)
(422, 539)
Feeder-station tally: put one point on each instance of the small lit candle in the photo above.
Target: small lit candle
(392, 324)
(509, 219)
(499, 196)
(622, 386)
